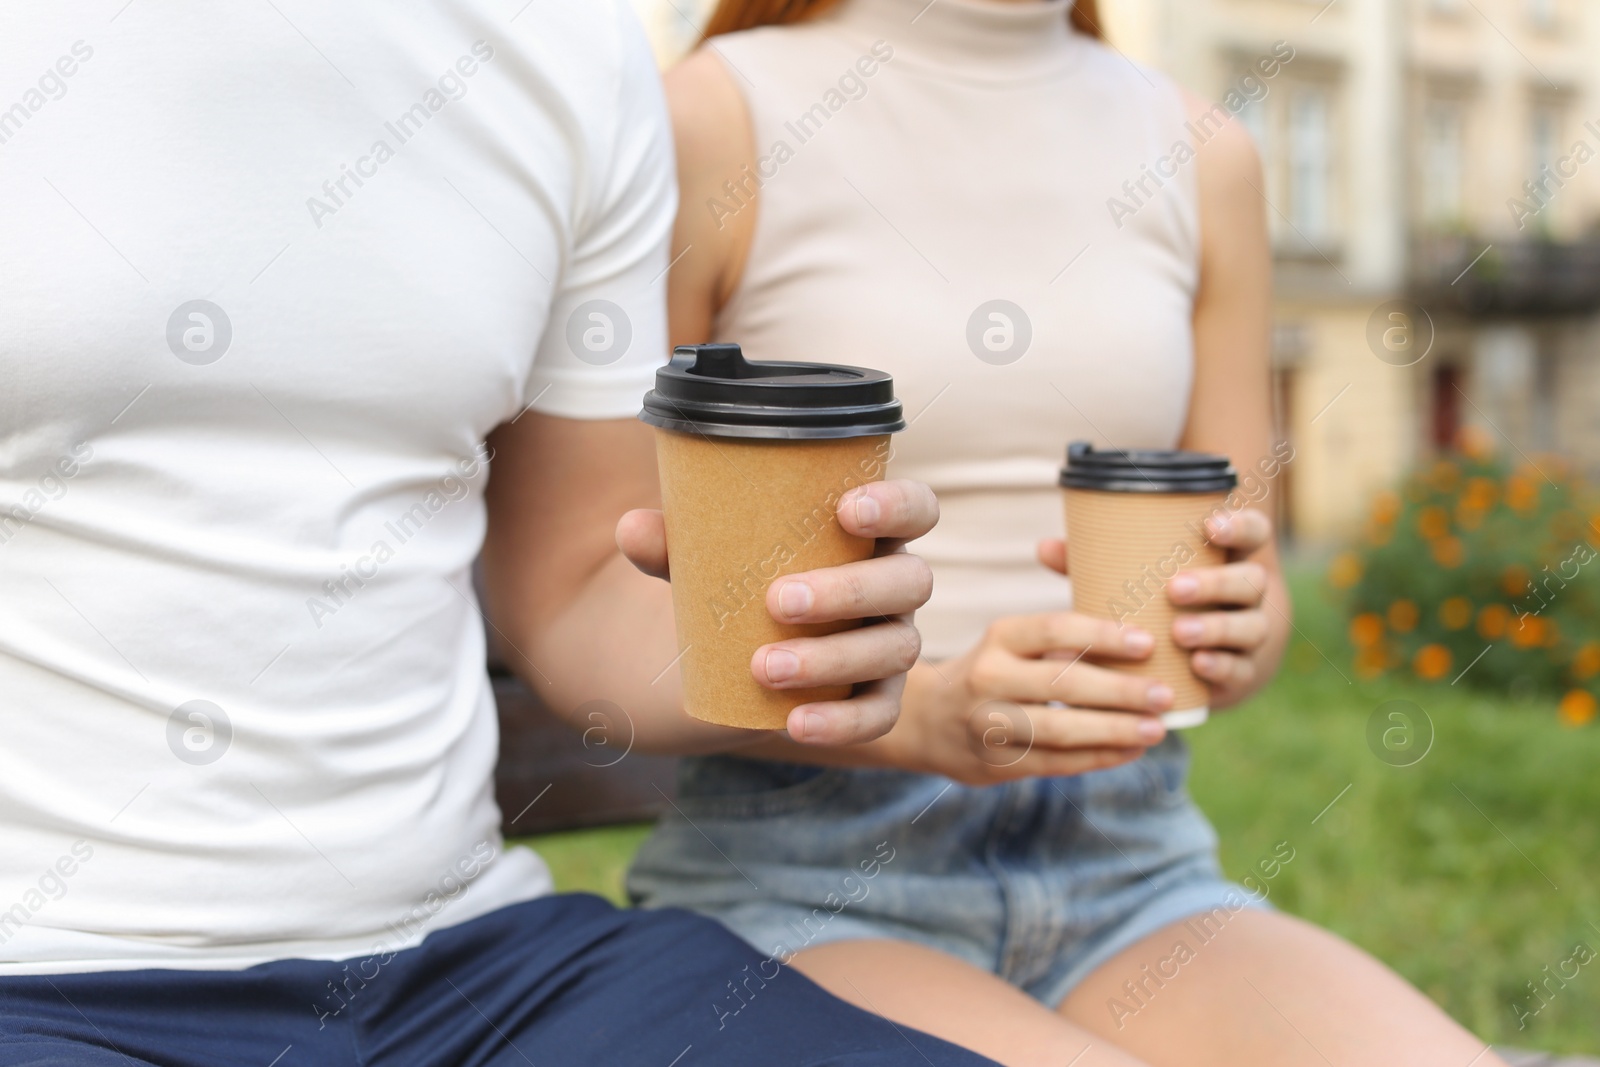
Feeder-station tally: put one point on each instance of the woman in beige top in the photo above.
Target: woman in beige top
(1041, 242)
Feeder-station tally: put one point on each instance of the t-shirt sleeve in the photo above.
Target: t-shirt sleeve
(607, 331)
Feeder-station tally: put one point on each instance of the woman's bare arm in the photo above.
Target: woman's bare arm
(1230, 408)
(714, 140)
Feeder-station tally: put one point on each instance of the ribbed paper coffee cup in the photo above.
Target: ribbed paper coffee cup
(754, 458)
(1134, 520)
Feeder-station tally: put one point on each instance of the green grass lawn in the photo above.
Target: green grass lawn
(590, 861)
(1470, 871)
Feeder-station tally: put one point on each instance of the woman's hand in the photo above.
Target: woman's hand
(1231, 647)
(1234, 650)
(988, 716)
(885, 589)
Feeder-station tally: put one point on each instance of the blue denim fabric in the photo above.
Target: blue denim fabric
(1038, 881)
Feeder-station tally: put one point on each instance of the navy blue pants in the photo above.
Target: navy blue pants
(563, 980)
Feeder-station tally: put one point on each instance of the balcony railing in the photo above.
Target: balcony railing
(1491, 279)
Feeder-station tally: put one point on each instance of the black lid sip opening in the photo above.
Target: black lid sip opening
(1146, 470)
(714, 390)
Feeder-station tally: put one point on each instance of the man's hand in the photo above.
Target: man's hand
(884, 590)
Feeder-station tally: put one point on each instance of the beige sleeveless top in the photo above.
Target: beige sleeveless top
(936, 200)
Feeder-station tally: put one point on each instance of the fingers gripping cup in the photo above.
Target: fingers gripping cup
(1134, 519)
(754, 458)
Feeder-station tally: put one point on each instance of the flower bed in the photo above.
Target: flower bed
(1477, 571)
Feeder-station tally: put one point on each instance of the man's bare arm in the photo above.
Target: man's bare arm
(584, 623)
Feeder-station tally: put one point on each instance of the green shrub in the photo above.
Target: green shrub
(1475, 566)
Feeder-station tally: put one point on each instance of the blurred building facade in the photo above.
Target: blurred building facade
(1433, 181)
(1432, 176)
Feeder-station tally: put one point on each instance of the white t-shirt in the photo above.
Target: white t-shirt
(269, 274)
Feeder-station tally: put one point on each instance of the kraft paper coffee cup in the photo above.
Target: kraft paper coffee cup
(754, 458)
(1135, 519)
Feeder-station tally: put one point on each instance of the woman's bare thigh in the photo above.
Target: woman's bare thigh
(933, 991)
(1263, 988)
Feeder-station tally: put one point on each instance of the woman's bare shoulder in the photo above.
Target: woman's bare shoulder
(1232, 199)
(710, 119)
(714, 139)
(1229, 151)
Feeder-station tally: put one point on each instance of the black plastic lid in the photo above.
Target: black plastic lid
(1146, 470)
(714, 390)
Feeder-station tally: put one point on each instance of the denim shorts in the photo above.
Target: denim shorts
(1039, 881)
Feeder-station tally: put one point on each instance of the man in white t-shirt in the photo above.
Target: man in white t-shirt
(280, 284)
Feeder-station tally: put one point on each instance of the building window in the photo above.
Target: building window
(1253, 117)
(1310, 162)
(1546, 393)
(1442, 162)
(1544, 141)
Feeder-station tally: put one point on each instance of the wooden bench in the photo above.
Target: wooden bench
(548, 780)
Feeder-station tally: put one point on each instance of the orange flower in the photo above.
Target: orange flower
(1345, 570)
(1371, 662)
(1476, 442)
(1481, 493)
(1577, 707)
(1514, 580)
(1403, 616)
(1448, 552)
(1366, 630)
(1586, 662)
(1385, 506)
(1431, 662)
(1522, 493)
(1594, 530)
(1545, 466)
(1433, 522)
(1529, 631)
(1455, 613)
(1469, 518)
(1492, 620)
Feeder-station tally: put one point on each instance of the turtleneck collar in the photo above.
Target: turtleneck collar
(991, 40)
